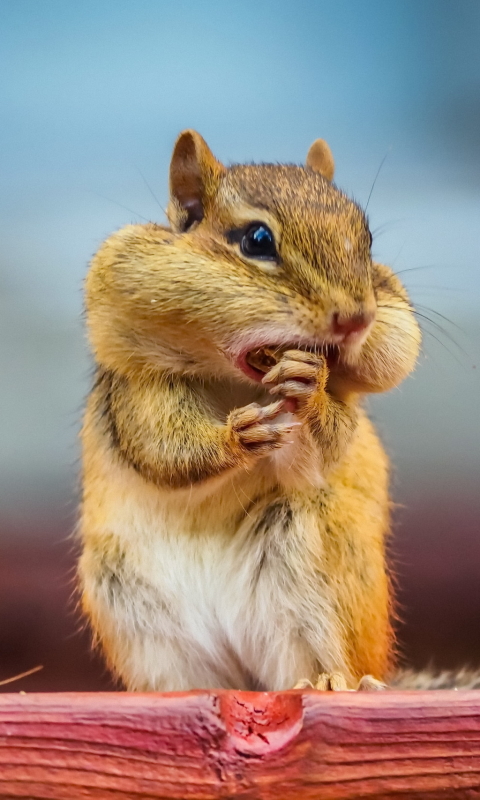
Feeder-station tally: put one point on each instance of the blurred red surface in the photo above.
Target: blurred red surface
(39, 620)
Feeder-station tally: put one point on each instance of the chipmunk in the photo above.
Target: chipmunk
(235, 494)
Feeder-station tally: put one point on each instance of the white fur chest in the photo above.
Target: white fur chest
(216, 592)
(233, 603)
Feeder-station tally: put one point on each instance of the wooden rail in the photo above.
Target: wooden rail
(260, 746)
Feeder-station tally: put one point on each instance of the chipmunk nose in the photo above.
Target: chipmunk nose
(347, 326)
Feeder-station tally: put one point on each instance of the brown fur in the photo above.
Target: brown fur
(183, 451)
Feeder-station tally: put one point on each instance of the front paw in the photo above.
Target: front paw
(300, 378)
(256, 430)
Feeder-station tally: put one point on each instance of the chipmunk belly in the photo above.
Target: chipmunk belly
(188, 591)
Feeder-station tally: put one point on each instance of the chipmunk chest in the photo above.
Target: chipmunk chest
(226, 578)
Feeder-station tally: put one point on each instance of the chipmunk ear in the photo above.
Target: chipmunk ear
(320, 159)
(194, 177)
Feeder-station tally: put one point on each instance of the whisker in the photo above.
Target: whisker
(245, 510)
(442, 316)
(376, 177)
(399, 254)
(391, 326)
(130, 210)
(440, 330)
(151, 190)
(432, 322)
(438, 327)
(415, 269)
(385, 226)
(425, 332)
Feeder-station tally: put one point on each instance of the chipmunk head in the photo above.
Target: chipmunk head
(259, 256)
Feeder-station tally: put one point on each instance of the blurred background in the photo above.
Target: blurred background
(93, 95)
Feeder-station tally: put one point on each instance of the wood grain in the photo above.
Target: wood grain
(260, 746)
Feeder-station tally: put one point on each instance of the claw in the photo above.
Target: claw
(258, 429)
(333, 681)
(370, 684)
(336, 682)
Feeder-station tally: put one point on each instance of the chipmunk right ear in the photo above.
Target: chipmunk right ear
(194, 177)
(320, 159)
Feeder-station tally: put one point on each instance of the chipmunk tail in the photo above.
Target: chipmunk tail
(465, 678)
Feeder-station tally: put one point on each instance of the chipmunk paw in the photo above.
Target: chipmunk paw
(370, 684)
(256, 429)
(298, 377)
(326, 682)
(336, 682)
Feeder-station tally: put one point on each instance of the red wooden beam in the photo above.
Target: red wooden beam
(260, 746)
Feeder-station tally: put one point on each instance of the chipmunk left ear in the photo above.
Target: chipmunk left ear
(194, 179)
(320, 159)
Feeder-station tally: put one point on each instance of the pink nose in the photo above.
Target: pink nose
(346, 326)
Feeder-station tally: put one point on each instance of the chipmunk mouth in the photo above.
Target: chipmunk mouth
(255, 363)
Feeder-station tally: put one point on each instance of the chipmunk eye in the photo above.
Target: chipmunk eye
(258, 242)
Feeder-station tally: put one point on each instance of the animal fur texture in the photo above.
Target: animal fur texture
(234, 523)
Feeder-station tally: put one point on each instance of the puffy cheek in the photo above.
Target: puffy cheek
(389, 354)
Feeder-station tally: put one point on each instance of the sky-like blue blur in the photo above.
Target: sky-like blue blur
(92, 96)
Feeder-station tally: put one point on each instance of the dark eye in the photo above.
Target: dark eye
(258, 242)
